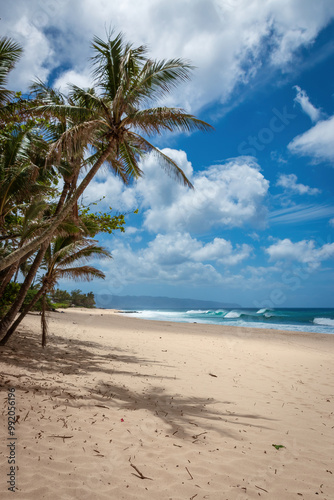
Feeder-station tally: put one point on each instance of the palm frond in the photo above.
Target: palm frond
(107, 63)
(86, 273)
(10, 52)
(169, 165)
(84, 254)
(155, 120)
(158, 78)
(129, 156)
(73, 140)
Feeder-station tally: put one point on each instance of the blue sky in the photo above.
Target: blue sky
(258, 228)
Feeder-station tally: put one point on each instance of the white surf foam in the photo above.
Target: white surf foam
(232, 315)
(324, 321)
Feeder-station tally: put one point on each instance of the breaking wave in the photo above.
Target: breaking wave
(324, 321)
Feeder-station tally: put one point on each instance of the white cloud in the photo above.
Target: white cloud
(331, 222)
(174, 258)
(316, 142)
(81, 79)
(308, 108)
(229, 195)
(38, 57)
(290, 182)
(304, 251)
(111, 191)
(300, 213)
(225, 39)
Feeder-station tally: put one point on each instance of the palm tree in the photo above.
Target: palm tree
(24, 182)
(111, 118)
(10, 53)
(58, 260)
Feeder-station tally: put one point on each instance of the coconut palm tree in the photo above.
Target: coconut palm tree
(24, 185)
(115, 119)
(59, 260)
(24, 182)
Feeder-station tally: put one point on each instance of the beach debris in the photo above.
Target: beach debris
(192, 498)
(122, 419)
(99, 454)
(139, 474)
(278, 446)
(63, 437)
(213, 375)
(259, 488)
(189, 472)
(197, 435)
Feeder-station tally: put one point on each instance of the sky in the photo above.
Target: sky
(258, 229)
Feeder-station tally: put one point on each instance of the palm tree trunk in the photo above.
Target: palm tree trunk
(62, 197)
(49, 232)
(22, 315)
(7, 277)
(44, 321)
(9, 317)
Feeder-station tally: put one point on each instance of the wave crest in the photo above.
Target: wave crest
(324, 321)
(232, 314)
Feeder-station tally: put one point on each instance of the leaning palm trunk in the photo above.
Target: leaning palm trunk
(7, 276)
(52, 227)
(44, 321)
(9, 317)
(23, 314)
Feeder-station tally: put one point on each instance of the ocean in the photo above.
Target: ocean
(300, 320)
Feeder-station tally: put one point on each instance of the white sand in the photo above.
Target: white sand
(196, 408)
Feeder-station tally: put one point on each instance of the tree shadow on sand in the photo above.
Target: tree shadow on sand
(28, 367)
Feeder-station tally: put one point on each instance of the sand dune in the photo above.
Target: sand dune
(123, 408)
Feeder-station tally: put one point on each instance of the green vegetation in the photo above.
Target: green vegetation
(63, 299)
(48, 140)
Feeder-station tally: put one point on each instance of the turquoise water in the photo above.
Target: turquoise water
(303, 320)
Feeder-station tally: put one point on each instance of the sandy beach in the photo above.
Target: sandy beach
(121, 408)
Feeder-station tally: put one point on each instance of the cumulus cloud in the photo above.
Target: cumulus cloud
(228, 195)
(82, 79)
(317, 142)
(174, 258)
(304, 251)
(110, 191)
(308, 108)
(290, 182)
(227, 40)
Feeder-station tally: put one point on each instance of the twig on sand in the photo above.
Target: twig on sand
(213, 375)
(189, 472)
(261, 488)
(63, 437)
(140, 474)
(195, 436)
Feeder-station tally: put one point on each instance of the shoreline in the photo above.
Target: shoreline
(196, 408)
(225, 329)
